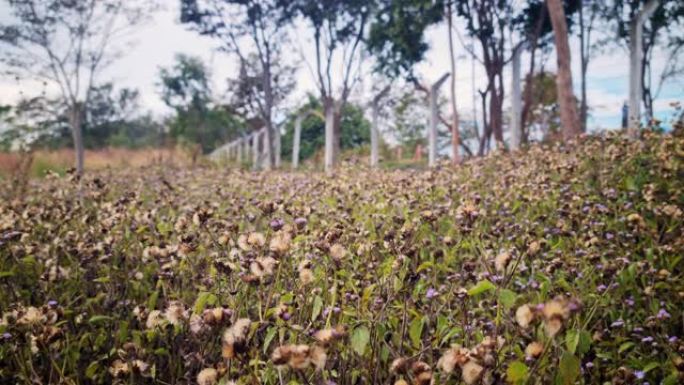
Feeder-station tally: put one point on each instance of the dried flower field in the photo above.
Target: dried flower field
(554, 266)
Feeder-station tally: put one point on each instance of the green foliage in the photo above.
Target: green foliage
(397, 34)
(185, 88)
(354, 127)
(278, 278)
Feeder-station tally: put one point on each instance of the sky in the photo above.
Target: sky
(159, 40)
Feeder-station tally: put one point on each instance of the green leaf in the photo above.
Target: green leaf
(99, 318)
(270, 334)
(317, 306)
(672, 379)
(584, 342)
(650, 367)
(572, 338)
(203, 299)
(359, 339)
(416, 331)
(4, 274)
(507, 298)
(516, 373)
(481, 287)
(92, 369)
(152, 301)
(569, 369)
(625, 346)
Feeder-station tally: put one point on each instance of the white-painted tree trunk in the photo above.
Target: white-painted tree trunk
(434, 121)
(635, 57)
(516, 96)
(296, 140)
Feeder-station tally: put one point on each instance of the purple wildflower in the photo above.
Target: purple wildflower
(640, 374)
(663, 314)
(277, 224)
(300, 222)
(431, 293)
(617, 324)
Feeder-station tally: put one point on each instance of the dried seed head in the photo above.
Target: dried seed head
(399, 365)
(501, 261)
(207, 376)
(524, 316)
(471, 372)
(280, 243)
(534, 349)
(154, 319)
(234, 338)
(337, 252)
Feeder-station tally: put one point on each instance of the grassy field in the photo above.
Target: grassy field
(59, 161)
(554, 266)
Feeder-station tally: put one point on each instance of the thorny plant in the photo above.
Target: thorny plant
(558, 265)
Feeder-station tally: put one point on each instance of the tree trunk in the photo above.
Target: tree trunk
(496, 114)
(516, 129)
(486, 127)
(568, 109)
(76, 125)
(529, 83)
(455, 137)
(584, 61)
(635, 62)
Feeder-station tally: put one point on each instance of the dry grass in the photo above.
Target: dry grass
(63, 159)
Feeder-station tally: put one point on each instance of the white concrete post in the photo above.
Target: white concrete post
(265, 150)
(434, 120)
(296, 139)
(374, 156)
(278, 144)
(255, 150)
(329, 135)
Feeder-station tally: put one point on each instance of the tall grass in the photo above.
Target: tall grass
(60, 160)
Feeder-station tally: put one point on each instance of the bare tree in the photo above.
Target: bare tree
(585, 29)
(259, 24)
(67, 44)
(566, 99)
(338, 35)
(636, 55)
(455, 137)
